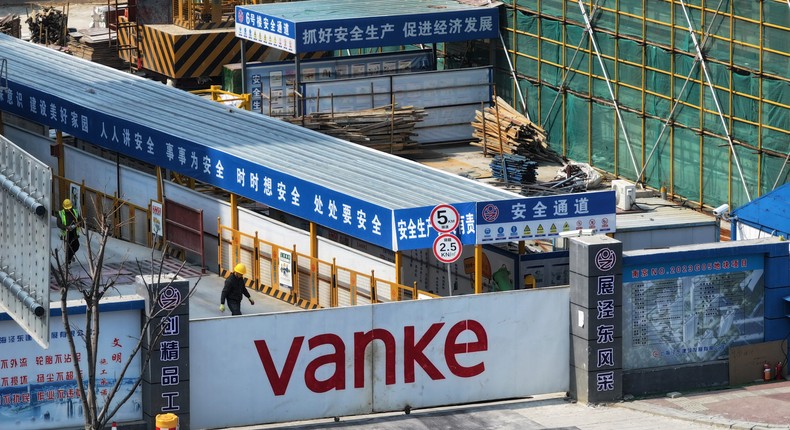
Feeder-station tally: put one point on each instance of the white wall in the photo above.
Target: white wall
(518, 341)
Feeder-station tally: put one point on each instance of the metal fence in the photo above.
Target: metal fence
(298, 277)
(131, 222)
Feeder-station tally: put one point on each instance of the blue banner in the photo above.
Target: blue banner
(367, 32)
(265, 29)
(413, 228)
(545, 216)
(337, 211)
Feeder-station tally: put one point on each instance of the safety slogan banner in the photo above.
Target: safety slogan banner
(545, 216)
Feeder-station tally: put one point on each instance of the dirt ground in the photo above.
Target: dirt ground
(80, 12)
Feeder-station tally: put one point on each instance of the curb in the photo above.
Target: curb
(699, 418)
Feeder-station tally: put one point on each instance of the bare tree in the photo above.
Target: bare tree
(98, 412)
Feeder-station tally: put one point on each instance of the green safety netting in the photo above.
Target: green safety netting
(693, 154)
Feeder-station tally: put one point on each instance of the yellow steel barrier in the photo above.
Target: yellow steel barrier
(219, 95)
(315, 283)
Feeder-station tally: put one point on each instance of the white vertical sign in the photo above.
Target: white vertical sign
(156, 219)
(285, 273)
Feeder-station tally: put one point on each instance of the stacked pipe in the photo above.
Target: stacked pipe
(514, 169)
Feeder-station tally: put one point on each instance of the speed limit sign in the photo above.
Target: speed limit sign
(447, 248)
(444, 218)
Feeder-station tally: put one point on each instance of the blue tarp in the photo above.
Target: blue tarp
(769, 213)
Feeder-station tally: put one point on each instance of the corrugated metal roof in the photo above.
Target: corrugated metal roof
(769, 213)
(369, 175)
(660, 214)
(329, 10)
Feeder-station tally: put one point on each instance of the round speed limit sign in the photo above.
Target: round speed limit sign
(445, 218)
(447, 248)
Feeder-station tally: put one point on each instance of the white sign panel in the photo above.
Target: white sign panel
(447, 248)
(444, 218)
(157, 223)
(348, 361)
(285, 273)
(39, 386)
(75, 191)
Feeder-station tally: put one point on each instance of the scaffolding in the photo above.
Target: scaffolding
(691, 95)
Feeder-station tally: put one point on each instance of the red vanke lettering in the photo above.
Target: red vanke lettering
(413, 355)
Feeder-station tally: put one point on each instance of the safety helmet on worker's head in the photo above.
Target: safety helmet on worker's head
(240, 269)
(67, 204)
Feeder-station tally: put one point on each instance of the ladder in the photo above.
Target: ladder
(128, 36)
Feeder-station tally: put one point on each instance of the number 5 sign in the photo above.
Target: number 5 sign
(444, 218)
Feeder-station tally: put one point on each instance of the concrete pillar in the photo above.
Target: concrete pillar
(596, 297)
(166, 379)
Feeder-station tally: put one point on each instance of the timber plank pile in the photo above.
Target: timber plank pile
(501, 128)
(93, 44)
(11, 25)
(380, 128)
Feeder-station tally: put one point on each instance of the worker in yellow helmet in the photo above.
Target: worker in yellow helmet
(234, 290)
(69, 221)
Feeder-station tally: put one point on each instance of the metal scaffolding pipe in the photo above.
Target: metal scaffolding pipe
(515, 79)
(566, 73)
(715, 98)
(786, 158)
(588, 25)
(26, 199)
(705, 38)
(19, 292)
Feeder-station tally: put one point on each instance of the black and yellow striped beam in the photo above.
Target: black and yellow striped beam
(178, 53)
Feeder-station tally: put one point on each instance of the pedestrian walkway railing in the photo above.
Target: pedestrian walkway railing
(299, 278)
(129, 220)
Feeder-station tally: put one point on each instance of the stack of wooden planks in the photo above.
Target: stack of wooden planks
(380, 128)
(502, 129)
(94, 44)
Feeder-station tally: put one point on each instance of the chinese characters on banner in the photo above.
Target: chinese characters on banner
(413, 228)
(366, 32)
(38, 387)
(235, 173)
(545, 216)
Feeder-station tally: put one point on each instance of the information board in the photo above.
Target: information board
(691, 311)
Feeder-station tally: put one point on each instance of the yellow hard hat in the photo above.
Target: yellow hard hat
(240, 268)
(67, 204)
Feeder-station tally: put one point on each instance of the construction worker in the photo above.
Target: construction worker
(234, 290)
(69, 221)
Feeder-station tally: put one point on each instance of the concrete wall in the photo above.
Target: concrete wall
(155, 11)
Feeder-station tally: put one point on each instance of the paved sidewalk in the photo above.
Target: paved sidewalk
(755, 406)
